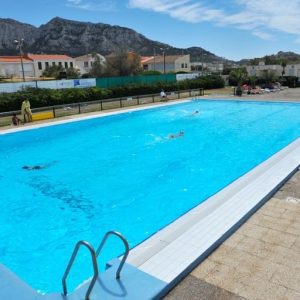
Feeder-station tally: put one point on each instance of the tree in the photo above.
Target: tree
(252, 81)
(99, 68)
(123, 63)
(239, 75)
(53, 71)
(268, 76)
(72, 73)
(283, 64)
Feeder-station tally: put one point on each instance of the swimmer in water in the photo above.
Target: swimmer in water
(176, 135)
(195, 112)
(38, 167)
(32, 167)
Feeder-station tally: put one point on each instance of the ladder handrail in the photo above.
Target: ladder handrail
(126, 249)
(70, 264)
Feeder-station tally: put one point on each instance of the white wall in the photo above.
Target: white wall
(15, 69)
(53, 84)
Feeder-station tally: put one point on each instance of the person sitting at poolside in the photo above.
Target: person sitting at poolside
(15, 120)
(176, 135)
(163, 95)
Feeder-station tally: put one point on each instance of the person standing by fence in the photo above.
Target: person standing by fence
(26, 111)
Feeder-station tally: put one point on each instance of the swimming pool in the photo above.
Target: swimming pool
(123, 172)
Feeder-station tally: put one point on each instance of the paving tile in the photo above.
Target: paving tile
(192, 288)
(234, 240)
(205, 268)
(261, 260)
(292, 295)
(288, 278)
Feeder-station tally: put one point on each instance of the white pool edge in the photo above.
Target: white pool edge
(175, 250)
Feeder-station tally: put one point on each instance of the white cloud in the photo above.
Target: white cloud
(92, 5)
(263, 35)
(264, 18)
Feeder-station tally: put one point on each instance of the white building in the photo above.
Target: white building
(43, 61)
(10, 66)
(85, 62)
(168, 63)
(34, 64)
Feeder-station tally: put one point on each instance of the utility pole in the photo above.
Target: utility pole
(154, 54)
(19, 44)
(164, 57)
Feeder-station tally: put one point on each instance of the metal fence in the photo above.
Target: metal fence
(104, 104)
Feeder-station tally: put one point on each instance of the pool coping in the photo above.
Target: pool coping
(172, 253)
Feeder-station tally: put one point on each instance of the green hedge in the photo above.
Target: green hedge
(49, 97)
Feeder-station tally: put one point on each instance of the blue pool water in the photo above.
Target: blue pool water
(123, 173)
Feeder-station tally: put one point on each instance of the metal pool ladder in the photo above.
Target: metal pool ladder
(94, 256)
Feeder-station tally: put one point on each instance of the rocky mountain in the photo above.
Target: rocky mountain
(61, 36)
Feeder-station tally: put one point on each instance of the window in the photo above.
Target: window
(46, 64)
(66, 65)
(86, 64)
(60, 63)
(185, 65)
(182, 66)
(53, 63)
(71, 64)
(40, 65)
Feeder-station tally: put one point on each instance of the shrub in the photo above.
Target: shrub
(49, 97)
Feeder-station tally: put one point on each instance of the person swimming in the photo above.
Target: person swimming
(38, 167)
(195, 112)
(176, 135)
(33, 167)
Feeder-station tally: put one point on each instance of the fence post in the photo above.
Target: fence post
(152, 98)
(79, 108)
(178, 94)
(101, 105)
(138, 100)
(121, 102)
(53, 108)
(190, 93)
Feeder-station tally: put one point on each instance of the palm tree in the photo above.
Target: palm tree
(239, 75)
(283, 64)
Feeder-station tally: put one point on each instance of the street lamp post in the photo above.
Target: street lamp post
(202, 62)
(19, 44)
(164, 57)
(154, 65)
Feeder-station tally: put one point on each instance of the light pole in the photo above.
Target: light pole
(202, 63)
(164, 57)
(19, 44)
(154, 54)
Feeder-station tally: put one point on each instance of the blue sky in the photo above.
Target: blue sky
(233, 29)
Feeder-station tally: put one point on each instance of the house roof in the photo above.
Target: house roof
(89, 56)
(145, 59)
(160, 59)
(14, 59)
(49, 57)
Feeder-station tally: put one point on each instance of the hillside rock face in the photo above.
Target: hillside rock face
(11, 30)
(60, 36)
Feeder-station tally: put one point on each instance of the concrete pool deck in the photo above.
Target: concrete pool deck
(261, 260)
